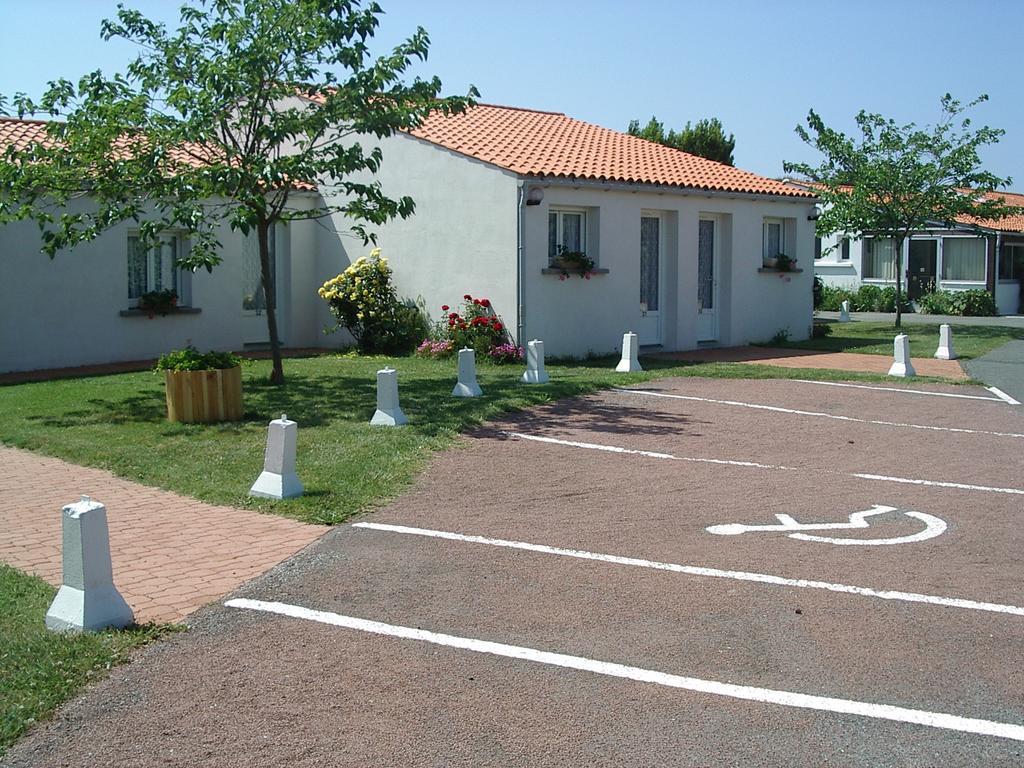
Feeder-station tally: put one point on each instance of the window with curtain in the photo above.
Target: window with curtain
(879, 258)
(963, 258)
(152, 269)
(567, 231)
(773, 241)
(254, 298)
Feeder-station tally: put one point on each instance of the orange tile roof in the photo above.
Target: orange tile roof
(1012, 223)
(550, 144)
(23, 133)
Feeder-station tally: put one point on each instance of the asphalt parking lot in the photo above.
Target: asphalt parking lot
(551, 594)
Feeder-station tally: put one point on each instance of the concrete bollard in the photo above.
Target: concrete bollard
(389, 412)
(844, 311)
(945, 350)
(278, 479)
(630, 347)
(901, 357)
(467, 385)
(87, 599)
(535, 373)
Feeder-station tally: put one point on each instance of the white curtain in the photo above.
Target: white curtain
(963, 258)
(136, 268)
(880, 258)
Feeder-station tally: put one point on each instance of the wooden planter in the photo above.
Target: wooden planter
(204, 396)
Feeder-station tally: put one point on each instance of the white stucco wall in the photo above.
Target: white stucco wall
(461, 238)
(65, 312)
(576, 317)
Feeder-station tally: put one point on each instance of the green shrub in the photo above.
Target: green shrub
(191, 359)
(364, 302)
(818, 292)
(832, 298)
(821, 330)
(973, 303)
(934, 303)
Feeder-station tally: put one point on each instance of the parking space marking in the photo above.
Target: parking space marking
(816, 414)
(755, 465)
(1002, 395)
(695, 570)
(901, 390)
(940, 720)
(934, 526)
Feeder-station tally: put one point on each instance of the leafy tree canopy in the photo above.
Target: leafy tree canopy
(217, 121)
(707, 138)
(893, 179)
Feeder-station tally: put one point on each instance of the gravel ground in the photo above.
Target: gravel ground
(244, 688)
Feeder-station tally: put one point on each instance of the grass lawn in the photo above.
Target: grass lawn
(118, 423)
(40, 669)
(969, 341)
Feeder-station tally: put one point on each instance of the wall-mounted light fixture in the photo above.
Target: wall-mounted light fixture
(813, 213)
(534, 196)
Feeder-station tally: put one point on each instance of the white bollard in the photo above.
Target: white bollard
(630, 346)
(389, 412)
(278, 479)
(901, 357)
(467, 385)
(535, 373)
(87, 599)
(945, 350)
(844, 311)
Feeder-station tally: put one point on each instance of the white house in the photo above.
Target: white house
(986, 255)
(681, 246)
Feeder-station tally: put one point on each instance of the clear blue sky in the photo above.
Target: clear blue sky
(758, 66)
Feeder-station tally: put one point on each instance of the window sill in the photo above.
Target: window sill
(570, 271)
(775, 271)
(146, 313)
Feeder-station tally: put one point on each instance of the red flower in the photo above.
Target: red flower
(444, 307)
(485, 302)
(498, 326)
(477, 302)
(467, 297)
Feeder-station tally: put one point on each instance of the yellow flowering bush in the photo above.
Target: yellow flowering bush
(363, 301)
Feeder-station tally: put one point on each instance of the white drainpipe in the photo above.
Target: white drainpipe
(520, 281)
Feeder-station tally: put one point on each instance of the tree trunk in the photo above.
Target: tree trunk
(899, 281)
(267, 278)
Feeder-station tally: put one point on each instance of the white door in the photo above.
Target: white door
(253, 300)
(707, 281)
(649, 329)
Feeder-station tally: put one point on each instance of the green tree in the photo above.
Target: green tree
(707, 138)
(217, 122)
(893, 180)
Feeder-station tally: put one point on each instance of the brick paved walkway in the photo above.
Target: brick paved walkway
(171, 554)
(809, 358)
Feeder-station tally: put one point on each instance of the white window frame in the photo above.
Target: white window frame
(867, 249)
(559, 212)
(768, 221)
(171, 277)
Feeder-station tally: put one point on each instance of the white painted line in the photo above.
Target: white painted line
(938, 483)
(817, 414)
(696, 570)
(755, 465)
(901, 390)
(1002, 395)
(745, 692)
(648, 454)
